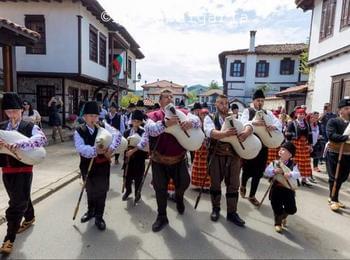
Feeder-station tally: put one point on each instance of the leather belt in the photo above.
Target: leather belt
(167, 160)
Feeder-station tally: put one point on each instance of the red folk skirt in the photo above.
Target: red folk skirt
(302, 156)
(272, 155)
(199, 174)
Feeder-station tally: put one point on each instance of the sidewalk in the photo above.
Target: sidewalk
(59, 168)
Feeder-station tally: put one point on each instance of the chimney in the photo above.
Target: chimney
(252, 41)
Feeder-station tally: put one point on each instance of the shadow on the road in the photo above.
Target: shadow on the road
(141, 215)
(194, 244)
(95, 243)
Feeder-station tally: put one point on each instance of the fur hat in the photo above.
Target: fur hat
(258, 94)
(138, 115)
(91, 107)
(197, 105)
(290, 147)
(234, 106)
(11, 100)
(344, 102)
(140, 103)
(131, 105)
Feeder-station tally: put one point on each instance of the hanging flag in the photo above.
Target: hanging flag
(117, 65)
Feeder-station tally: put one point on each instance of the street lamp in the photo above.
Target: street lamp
(138, 78)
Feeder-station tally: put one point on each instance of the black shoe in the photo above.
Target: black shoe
(86, 217)
(100, 223)
(137, 197)
(215, 214)
(160, 223)
(307, 184)
(234, 218)
(180, 206)
(126, 195)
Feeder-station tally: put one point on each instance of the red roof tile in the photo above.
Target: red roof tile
(16, 27)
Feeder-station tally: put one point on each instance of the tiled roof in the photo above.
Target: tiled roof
(275, 49)
(212, 92)
(95, 8)
(267, 49)
(292, 90)
(305, 4)
(162, 84)
(18, 28)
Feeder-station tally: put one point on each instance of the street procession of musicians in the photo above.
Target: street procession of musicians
(224, 147)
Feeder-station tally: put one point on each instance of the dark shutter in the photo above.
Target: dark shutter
(231, 68)
(242, 69)
(292, 66)
(267, 68)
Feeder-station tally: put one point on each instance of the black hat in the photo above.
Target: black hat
(138, 115)
(114, 105)
(234, 106)
(11, 100)
(91, 107)
(131, 105)
(156, 106)
(181, 104)
(258, 94)
(140, 103)
(197, 105)
(344, 102)
(205, 105)
(290, 147)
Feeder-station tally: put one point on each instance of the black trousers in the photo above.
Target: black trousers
(18, 187)
(331, 163)
(136, 169)
(161, 174)
(282, 202)
(254, 169)
(97, 186)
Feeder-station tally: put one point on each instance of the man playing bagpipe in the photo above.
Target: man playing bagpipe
(284, 174)
(97, 182)
(168, 158)
(17, 176)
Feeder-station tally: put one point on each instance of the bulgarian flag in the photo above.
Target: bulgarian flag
(117, 64)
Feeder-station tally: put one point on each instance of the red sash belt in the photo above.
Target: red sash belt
(26, 169)
(99, 160)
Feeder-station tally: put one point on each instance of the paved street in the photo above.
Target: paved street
(314, 232)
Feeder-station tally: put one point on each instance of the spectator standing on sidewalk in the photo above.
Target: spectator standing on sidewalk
(55, 105)
(30, 114)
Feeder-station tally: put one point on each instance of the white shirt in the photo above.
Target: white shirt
(89, 151)
(276, 122)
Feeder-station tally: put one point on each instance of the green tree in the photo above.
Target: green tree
(304, 67)
(214, 85)
(192, 97)
(265, 88)
(129, 98)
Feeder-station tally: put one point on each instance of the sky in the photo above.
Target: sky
(181, 39)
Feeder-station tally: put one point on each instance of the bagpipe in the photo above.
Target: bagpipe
(31, 157)
(191, 139)
(270, 138)
(249, 148)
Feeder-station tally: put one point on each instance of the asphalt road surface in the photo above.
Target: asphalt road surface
(314, 232)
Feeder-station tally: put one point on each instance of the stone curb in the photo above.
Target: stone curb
(47, 190)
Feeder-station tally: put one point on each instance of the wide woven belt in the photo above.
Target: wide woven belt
(25, 169)
(167, 160)
(335, 147)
